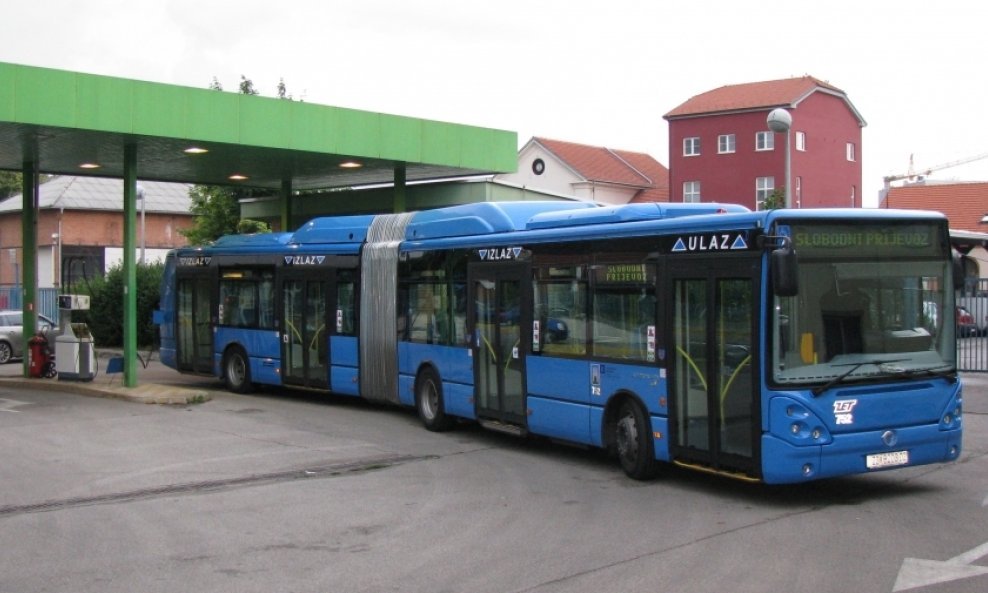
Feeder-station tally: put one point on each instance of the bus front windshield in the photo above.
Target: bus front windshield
(874, 302)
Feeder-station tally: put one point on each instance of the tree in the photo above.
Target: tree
(775, 200)
(217, 213)
(247, 86)
(248, 226)
(10, 184)
(106, 304)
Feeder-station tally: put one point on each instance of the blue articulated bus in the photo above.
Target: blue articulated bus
(779, 346)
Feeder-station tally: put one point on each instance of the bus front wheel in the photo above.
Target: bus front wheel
(236, 371)
(429, 403)
(633, 437)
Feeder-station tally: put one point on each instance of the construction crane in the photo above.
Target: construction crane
(913, 174)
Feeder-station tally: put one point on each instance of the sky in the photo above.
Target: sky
(591, 72)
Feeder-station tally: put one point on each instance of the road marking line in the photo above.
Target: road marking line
(8, 405)
(916, 572)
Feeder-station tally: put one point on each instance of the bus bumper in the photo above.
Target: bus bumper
(858, 453)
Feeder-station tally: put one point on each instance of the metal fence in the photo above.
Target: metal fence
(972, 344)
(12, 297)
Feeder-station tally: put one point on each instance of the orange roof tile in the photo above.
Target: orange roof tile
(964, 204)
(622, 167)
(754, 95)
(654, 170)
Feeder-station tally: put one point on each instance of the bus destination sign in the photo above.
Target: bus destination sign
(865, 241)
(623, 273)
(845, 238)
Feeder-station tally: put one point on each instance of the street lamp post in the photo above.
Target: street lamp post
(141, 196)
(779, 121)
(57, 257)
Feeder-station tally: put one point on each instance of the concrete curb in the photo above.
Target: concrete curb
(146, 393)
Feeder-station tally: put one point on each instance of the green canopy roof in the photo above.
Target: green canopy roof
(64, 120)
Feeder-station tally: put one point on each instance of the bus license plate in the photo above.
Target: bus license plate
(891, 459)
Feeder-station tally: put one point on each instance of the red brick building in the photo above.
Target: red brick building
(80, 227)
(721, 150)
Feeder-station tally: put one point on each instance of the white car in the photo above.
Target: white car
(12, 333)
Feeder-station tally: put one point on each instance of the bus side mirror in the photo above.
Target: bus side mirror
(785, 271)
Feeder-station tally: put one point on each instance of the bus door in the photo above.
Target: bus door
(714, 412)
(499, 311)
(194, 323)
(304, 329)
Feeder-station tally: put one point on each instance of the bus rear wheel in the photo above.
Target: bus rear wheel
(429, 403)
(633, 437)
(236, 371)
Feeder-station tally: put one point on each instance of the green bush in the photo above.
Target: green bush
(105, 314)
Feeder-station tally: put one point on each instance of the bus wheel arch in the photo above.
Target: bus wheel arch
(628, 436)
(236, 370)
(429, 401)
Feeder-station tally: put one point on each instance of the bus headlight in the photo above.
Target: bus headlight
(804, 432)
(802, 426)
(951, 418)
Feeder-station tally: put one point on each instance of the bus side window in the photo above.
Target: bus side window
(345, 299)
(560, 305)
(427, 313)
(266, 301)
(624, 311)
(459, 321)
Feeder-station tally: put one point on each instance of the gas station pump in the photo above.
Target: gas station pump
(75, 358)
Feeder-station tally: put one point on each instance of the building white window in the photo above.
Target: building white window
(850, 151)
(801, 141)
(725, 143)
(691, 146)
(691, 191)
(764, 186)
(765, 141)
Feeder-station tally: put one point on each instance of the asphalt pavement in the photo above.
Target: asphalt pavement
(286, 491)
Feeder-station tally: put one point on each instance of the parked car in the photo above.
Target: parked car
(12, 333)
(978, 306)
(965, 323)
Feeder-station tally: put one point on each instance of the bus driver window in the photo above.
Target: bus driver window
(844, 315)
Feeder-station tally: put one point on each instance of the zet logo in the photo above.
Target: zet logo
(844, 411)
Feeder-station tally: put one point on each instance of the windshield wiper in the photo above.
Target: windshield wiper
(854, 366)
(947, 372)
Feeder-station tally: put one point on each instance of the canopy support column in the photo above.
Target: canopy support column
(399, 204)
(130, 266)
(29, 251)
